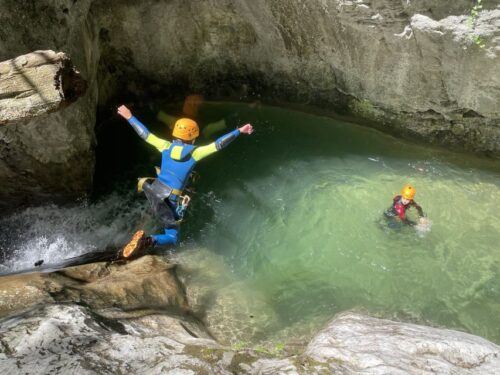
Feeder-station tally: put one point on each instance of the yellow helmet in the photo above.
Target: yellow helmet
(408, 192)
(186, 129)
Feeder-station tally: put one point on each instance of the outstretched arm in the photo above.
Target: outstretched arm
(141, 129)
(204, 151)
(419, 209)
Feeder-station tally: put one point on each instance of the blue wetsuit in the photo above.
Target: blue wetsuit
(177, 162)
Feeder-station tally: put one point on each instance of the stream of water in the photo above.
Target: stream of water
(294, 214)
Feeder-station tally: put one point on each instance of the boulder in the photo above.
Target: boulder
(355, 343)
(37, 83)
(146, 284)
(49, 157)
(62, 339)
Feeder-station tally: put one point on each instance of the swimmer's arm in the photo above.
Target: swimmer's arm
(419, 209)
(409, 222)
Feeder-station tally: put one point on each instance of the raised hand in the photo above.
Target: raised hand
(246, 129)
(124, 112)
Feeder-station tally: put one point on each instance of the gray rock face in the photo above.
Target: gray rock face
(355, 343)
(407, 67)
(62, 339)
(136, 319)
(51, 156)
(69, 339)
(36, 83)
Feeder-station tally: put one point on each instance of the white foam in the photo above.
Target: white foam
(54, 233)
(423, 227)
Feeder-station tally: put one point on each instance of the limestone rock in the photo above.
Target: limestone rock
(62, 339)
(406, 67)
(59, 339)
(50, 157)
(148, 283)
(353, 343)
(20, 292)
(37, 83)
(130, 325)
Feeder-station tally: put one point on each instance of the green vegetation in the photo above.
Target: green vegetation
(471, 24)
(267, 350)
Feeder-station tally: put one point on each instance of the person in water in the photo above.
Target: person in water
(165, 193)
(400, 204)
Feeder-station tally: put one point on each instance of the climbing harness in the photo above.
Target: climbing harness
(161, 190)
(182, 206)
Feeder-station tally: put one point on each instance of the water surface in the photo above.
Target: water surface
(294, 214)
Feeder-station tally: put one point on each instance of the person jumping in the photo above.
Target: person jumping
(165, 193)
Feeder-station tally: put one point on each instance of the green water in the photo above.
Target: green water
(293, 213)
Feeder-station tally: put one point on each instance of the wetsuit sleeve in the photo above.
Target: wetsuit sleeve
(204, 151)
(139, 127)
(419, 209)
(144, 133)
(409, 222)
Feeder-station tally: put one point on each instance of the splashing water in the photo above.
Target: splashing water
(423, 228)
(55, 233)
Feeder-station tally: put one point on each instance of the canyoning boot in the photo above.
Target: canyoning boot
(137, 245)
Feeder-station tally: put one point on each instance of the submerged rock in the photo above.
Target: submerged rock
(232, 310)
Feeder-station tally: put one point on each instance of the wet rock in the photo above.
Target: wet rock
(129, 325)
(149, 283)
(353, 343)
(146, 283)
(61, 339)
(20, 292)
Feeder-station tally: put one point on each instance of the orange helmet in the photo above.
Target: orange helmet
(408, 192)
(186, 129)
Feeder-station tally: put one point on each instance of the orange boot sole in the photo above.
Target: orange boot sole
(134, 244)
